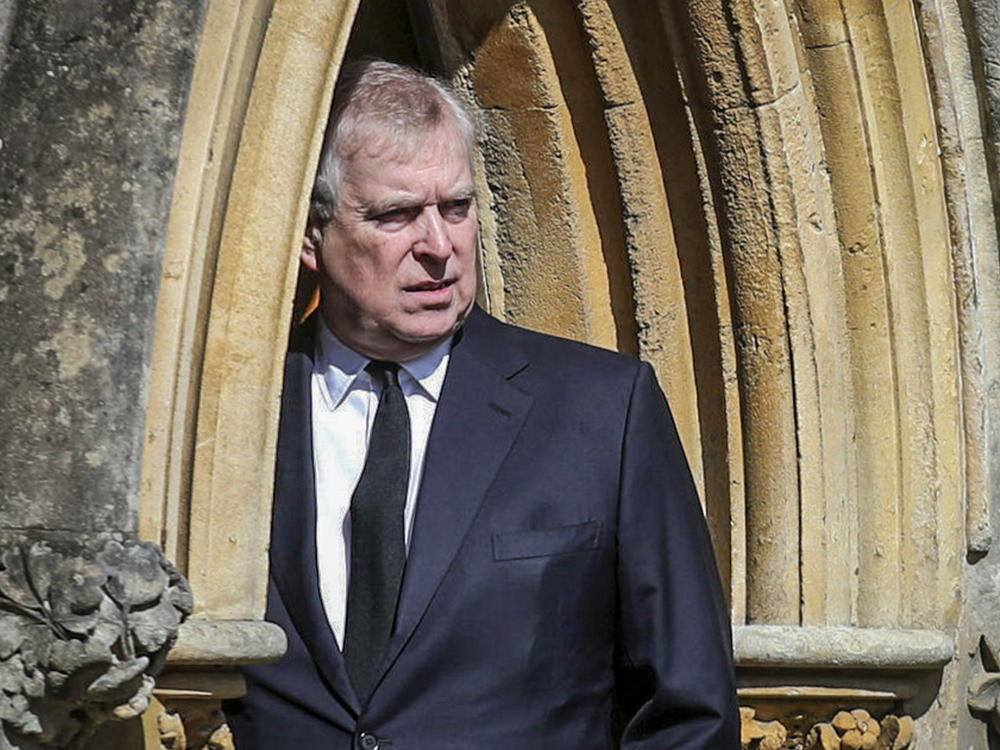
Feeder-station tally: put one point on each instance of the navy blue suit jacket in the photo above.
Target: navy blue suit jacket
(560, 589)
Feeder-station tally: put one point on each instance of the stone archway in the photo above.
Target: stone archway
(785, 207)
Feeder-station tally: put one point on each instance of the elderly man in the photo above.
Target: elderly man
(483, 537)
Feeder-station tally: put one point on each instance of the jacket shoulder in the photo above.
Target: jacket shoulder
(554, 353)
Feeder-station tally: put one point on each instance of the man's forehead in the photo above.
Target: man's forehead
(383, 145)
(375, 138)
(386, 169)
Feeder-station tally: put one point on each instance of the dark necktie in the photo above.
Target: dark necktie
(378, 551)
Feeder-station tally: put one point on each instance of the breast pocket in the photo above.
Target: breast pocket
(560, 540)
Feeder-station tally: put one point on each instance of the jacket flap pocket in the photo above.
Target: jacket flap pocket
(512, 545)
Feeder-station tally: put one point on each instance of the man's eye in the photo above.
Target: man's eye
(456, 210)
(398, 216)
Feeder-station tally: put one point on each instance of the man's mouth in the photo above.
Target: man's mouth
(429, 286)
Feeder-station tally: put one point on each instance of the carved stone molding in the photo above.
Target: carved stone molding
(984, 687)
(796, 681)
(984, 698)
(816, 671)
(838, 647)
(201, 673)
(83, 631)
(194, 727)
(226, 643)
(760, 735)
(847, 730)
(187, 708)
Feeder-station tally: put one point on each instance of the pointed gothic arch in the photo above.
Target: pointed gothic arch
(785, 207)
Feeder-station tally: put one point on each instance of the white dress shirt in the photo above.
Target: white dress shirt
(344, 401)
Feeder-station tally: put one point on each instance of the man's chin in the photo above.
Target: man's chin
(428, 336)
(430, 330)
(432, 325)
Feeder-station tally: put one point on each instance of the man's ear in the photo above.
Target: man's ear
(312, 242)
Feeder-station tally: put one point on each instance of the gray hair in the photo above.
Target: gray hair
(381, 103)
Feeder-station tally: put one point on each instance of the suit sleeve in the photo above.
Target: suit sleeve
(674, 681)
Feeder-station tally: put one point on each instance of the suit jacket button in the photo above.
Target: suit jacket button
(368, 741)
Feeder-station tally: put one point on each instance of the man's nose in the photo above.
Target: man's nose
(435, 242)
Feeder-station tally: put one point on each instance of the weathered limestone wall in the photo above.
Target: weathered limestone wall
(982, 24)
(92, 98)
(974, 26)
(789, 208)
(92, 102)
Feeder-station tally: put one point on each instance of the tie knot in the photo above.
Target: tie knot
(386, 373)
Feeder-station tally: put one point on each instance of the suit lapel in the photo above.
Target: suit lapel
(293, 550)
(460, 463)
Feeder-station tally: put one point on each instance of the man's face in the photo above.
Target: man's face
(397, 263)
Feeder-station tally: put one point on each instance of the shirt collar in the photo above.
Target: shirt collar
(339, 367)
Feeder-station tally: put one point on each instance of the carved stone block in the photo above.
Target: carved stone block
(847, 730)
(194, 727)
(83, 631)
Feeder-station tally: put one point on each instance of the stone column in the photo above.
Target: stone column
(91, 104)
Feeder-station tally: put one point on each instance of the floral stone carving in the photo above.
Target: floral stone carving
(847, 730)
(82, 634)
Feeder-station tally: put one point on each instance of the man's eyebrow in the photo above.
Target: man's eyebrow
(467, 194)
(396, 203)
(377, 208)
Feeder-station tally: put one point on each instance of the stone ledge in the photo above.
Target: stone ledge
(227, 643)
(235, 642)
(192, 684)
(838, 647)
